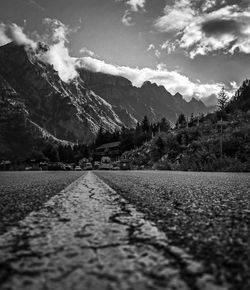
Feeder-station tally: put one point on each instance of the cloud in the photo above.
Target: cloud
(85, 50)
(173, 81)
(210, 29)
(133, 6)
(56, 30)
(127, 19)
(151, 47)
(136, 5)
(157, 53)
(32, 2)
(4, 39)
(58, 54)
(226, 29)
(220, 26)
(56, 37)
(13, 32)
(169, 46)
(234, 85)
(175, 17)
(208, 4)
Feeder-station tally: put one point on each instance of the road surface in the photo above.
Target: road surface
(208, 214)
(89, 237)
(22, 192)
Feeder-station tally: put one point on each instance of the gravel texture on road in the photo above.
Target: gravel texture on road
(208, 214)
(88, 237)
(22, 192)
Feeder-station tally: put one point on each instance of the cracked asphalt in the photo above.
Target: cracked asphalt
(207, 214)
(89, 237)
(22, 192)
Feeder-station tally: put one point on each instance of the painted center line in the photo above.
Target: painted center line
(88, 237)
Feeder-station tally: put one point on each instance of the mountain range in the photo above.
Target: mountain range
(76, 110)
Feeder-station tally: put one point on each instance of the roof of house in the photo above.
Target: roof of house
(109, 145)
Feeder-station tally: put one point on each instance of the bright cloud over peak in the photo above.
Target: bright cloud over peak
(13, 32)
(58, 55)
(173, 81)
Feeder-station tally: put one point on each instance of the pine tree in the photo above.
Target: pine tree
(222, 100)
(164, 125)
(145, 124)
(181, 121)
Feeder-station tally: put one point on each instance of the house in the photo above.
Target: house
(109, 149)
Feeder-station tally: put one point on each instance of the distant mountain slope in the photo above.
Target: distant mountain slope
(68, 111)
(75, 111)
(18, 134)
(150, 99)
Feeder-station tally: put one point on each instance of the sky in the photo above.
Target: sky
(194, 47)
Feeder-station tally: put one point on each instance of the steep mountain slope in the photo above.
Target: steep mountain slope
(75, 111)
(68, 111)
(150, 99)
(19, 136)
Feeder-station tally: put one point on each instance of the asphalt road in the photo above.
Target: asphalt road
(25, 191)
(153, 230)
(207, 214)
(87, 237)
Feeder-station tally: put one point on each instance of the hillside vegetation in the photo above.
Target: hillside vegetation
(219, 141)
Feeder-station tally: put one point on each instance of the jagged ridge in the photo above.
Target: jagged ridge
(68, 111)
(150, 99)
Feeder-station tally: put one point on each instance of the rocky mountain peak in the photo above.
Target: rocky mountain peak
(146, 84)
(178, 96)
(75, 111)
(68, 111)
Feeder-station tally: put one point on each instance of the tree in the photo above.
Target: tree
(99, 138)
(139, 136)
(157, 149)
(16, 138)
(38, 156)
(241, 100)
(51, 152)
(181, 121)
(192, 117)
(164, 125)
(222, 100)
(126, 139)
(145, 124)
(155, 128)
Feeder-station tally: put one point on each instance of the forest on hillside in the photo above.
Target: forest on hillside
(218, 141)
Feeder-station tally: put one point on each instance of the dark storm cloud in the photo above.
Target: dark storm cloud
(216, 26)
(221, 26)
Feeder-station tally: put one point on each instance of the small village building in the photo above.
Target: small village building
(109, 149)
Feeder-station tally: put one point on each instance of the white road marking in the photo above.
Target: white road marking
(88, 237)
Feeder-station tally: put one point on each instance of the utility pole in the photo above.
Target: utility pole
(222, 102)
